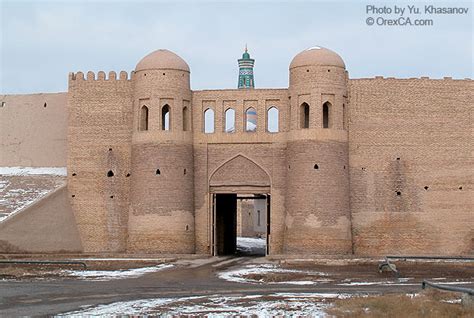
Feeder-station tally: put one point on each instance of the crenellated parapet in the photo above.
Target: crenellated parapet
(368, 167)
(414, 79)
(99, 138)
(101, 76)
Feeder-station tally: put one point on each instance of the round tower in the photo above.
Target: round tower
(318, 213)
(161, 214)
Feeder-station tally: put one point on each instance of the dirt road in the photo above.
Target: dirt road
(199, 277)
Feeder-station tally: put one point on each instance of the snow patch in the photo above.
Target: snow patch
(19, 191)
(314, 295)
(280, 304)
(251, 245)
(18, 199)
(118, 274)
(455, 283)
(452, 301)
(263, 269)
(134, 307)
(23, 171)
(379, 283)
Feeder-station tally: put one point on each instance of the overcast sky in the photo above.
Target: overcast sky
(42, 41)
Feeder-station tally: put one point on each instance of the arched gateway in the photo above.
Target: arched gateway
(239, 184)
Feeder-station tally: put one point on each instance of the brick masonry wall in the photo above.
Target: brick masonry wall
(161, 216)
(399, 181)
(99, 141)
(317, 210)
(257, 153)
(241, 162)
(248, 169)
(161, 213)
(412, 136)
(317, 215)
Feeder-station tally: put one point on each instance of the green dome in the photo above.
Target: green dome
(246, 55)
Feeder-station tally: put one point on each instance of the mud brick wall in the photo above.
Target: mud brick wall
(240, 162)
(392, 174)
(161, 213)
(33, 130)
(411, 176)
(317, 210)
(99, 150)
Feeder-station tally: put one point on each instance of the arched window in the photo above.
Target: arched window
(143, 119)
(251, 120)
(165, 117)
(326, 118)
(209, 121)
(304, 115)
(185, 118)
(229, 120)
(272, 120)
(344, 124)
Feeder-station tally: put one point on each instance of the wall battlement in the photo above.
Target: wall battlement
(422, 78)
(369, 166)
(101, 76)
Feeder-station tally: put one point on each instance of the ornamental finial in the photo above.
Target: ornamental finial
(246, 48)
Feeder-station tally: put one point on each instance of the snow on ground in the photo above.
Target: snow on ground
(251, 245)
(455, 283)
(452, 301)
(18, 189)
(441, 260)
(16, 199)
(381, 283)
(117, 274)
(399, 282)
(23, 171)
(238, 275)
(279, 304)
(256, 273)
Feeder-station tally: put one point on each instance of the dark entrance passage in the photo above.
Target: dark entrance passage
(241, 224)
(226, 224)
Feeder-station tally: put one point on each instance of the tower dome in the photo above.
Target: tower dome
(161, 60)
(317, 56)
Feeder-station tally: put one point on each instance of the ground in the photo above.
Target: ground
(226, 286)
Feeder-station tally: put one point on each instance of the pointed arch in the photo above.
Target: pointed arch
(209, 121)
(165, 117)
(143, 125)
(239, 170)
(185, 118)
(326, 114)
(344, 115)
(304, 116)
(229, 120)
(251, 120)
(273, 119)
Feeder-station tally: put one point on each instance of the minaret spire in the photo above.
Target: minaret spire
(246, 79)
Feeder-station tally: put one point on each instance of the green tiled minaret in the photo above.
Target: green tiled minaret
(246, 79)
